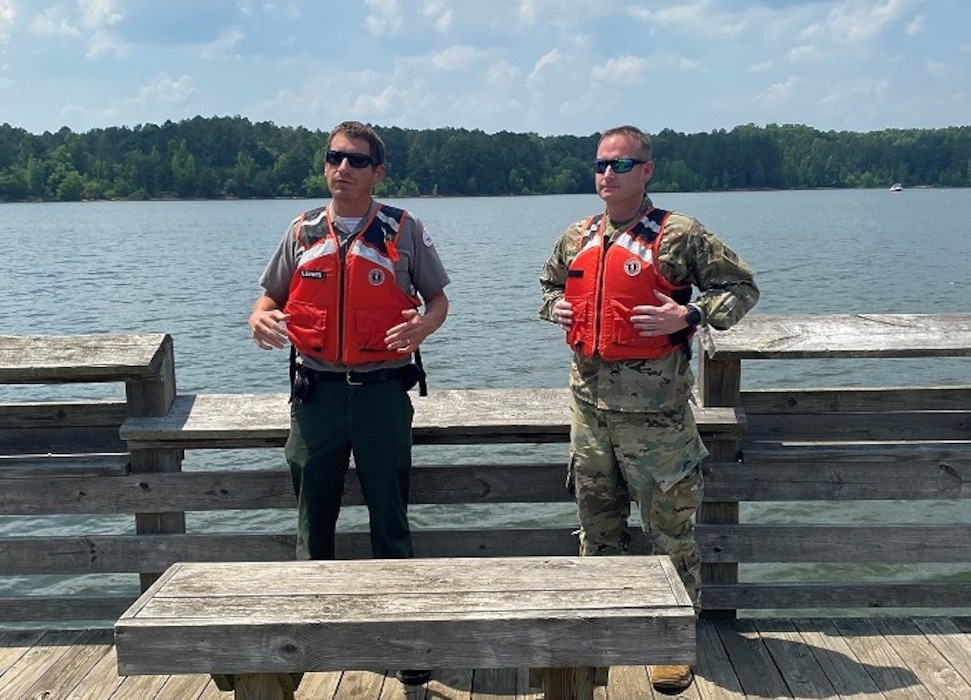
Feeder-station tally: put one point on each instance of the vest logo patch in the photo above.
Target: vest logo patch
(375, 277)
(313, 274)
(632, 267)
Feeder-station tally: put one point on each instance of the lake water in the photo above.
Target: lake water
(191, 269)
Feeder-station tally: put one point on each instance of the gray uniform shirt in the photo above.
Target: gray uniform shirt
(418, 270)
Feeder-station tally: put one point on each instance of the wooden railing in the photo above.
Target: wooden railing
(840, 445)
(827, 445)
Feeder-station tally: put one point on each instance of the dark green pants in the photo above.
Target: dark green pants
(372, 422)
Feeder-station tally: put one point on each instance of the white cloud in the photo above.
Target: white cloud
(806, 53)
(622, 70)
(102, 43)
(549, 59)
(855, 21)
(781, 93)
(456, 58)
(8, 15)
(438, 13)
(502, 73)
(384, 17)
(99, 13)
(163, 89)
(53, 22)
(857, 92)
(916, 25)
(222, 47)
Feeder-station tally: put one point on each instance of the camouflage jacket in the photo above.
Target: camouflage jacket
(689, 255)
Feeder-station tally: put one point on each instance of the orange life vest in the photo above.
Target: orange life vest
(605, 281)
(343, 301)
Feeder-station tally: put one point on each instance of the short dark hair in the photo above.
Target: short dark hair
(643, 139)
(357, 130)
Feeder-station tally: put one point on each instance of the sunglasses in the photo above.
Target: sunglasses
(620, 165)
(356, 160)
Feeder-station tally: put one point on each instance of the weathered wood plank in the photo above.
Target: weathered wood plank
(772, 336)
(808, 595)
(916, 542)
(886, 428)
(40, 359)
(444, 417)
(948, 639)
(62, 414)
(259, 489)
(59, 441)
(785, 474)
(752, 662)
(36, 608)
(849, 399)
(848, 677)
(126, 553)
(65, 673)
(718, 544)
(923, 658)
(801, 671)
(651, 622)
(880, 659)
(30, 666)
(26, 468)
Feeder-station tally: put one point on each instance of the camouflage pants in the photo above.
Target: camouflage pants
(615, 458)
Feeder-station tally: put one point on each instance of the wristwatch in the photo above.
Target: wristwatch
(694, 316)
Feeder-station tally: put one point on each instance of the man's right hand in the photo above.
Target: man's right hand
(563, 314)
(268, 329)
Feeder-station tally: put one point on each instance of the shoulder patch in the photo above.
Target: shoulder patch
(426, 237)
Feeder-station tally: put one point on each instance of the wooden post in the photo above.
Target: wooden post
(153, 396)
(571, 683)
(259, 686)
(719, 384)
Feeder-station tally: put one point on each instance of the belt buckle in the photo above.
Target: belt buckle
(350, 381)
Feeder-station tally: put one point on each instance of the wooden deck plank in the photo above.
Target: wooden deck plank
(316, 686)
(13, 645)
(800, 670)
(61, 677)
(32, 665)
(715, 678)
(450, 684)
(752, 662)
(882, 662)
(849, 678)
(933, 670)
(953, 644)
(101, 682)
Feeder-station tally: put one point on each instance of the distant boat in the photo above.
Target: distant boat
(896, 187)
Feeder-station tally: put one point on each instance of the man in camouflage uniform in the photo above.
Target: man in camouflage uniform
(633, 433)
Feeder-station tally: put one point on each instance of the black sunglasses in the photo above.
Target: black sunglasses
(356, 160)
(620, 165)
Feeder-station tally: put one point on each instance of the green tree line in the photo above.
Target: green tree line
(232, 157)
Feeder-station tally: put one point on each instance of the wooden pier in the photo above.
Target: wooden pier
(900, 636)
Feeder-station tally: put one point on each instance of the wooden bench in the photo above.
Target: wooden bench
(257, 627)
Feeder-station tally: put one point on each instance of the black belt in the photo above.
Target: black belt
(354, 377)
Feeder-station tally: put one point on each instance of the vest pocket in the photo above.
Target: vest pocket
(370, 326)
(306, 326)
(579, 335)
(618, 330)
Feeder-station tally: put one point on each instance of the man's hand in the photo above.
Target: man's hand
(563, 314)
(268, 329)
(666, 318)
(407, 336)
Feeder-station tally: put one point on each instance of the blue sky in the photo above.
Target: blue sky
(544, 66)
